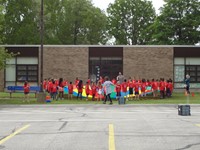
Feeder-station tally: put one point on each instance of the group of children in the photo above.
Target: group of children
(129, 89)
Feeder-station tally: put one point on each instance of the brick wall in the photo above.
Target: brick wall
(66, 62)
(148, 62)
(1, 80)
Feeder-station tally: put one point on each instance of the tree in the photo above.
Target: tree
(178, 23)
(1, 23)
(5, 56)
(21, 22)
(80, 22)
(128, 21)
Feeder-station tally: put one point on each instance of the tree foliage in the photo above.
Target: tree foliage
(128, 21)
(178, 23)
(5, 56)
(21, 22)
(65, 22)
(74, 22)
(1, 23)
(80, 22)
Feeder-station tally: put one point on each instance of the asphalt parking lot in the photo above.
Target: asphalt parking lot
(98, 127)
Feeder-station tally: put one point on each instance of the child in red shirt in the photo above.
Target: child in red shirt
(87, 89)
(169, 88)
(80, 89)
(54, 90)
(70, 90)
(143, 88)
(130, 84)
(114, 81)
(118, 91)
(136, 89)
(154, 86)
(100, 90)
(76, 81)
(44, 85)
(94, 90)
(162, 88)
(26, 91)
(61, 88)
(124, 88)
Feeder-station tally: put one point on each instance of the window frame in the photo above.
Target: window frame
(27, 71)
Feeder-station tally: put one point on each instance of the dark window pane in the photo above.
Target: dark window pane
(21, 72)
(27, 72)
(192, 73)
(32, 78)
(192, 79)
(21, 67)
(32, 72)
(32, 68)
(21, 78)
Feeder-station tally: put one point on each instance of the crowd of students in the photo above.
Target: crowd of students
(130, 88)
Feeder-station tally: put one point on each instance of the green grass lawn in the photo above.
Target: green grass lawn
(177, 98)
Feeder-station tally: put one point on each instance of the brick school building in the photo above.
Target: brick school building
(90, 61)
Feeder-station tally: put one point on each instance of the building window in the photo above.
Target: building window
(183, 66)
(194, 72)
(105, 66)
(27, 73)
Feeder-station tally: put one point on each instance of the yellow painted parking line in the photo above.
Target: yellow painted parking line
(13, 134)
(111, 137)
(198, 125)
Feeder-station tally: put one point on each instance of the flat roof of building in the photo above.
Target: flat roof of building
(100, 45)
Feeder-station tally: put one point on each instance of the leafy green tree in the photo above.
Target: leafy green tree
(80, 22)
(5, 56)
(52, 12)
(128, 21)
(1, 23)
(21, 21)
(178, 23)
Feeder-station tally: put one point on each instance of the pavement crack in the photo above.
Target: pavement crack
(84, 115)
(63, 126)
(188, 146)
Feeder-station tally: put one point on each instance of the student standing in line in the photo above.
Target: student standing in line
(136, 89)
(154, 87)
(76, 81)
(94, 90)
(130, 84)
(143, 88)
(87, 90)
(124, 89)
(26, 91)
(162, 88)
(54, 90)
(80, 89)
(107, 85)
(70, 90)
(100, 91)
(61, 89)
(118, 91)
(44, 85)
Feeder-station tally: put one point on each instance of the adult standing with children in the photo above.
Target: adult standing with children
(107, 85)
(187, 84)
(120, 78)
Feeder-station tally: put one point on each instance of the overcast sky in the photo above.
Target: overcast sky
(103, 4)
